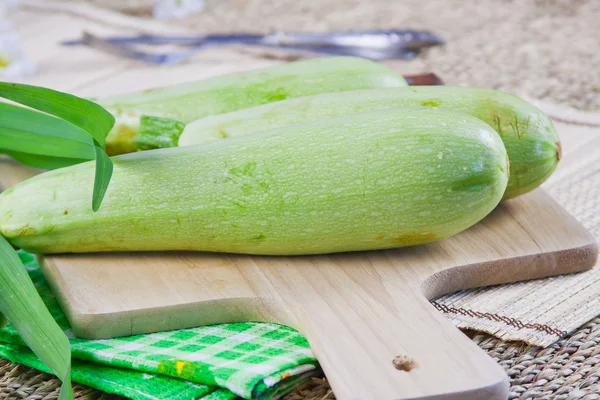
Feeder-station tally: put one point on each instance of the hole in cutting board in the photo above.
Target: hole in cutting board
(404, 363)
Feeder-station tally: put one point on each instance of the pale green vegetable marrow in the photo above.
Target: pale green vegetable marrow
(530, 138)
(367, 181)
(189, 101)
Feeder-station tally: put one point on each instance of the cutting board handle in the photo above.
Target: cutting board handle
(379, 346)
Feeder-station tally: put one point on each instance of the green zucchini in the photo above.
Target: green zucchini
(189, 101)
(530, 138)
(367, 181)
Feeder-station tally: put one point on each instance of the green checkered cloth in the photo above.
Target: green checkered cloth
(218, 362)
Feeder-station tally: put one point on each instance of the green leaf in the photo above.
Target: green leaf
(44, 162)
(85, 114)
(80, 113)
(21, 304)
(104, 170)
(27, 131)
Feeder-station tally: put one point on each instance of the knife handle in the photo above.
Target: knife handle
(428, 79)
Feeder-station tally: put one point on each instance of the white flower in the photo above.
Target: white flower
(176, 9)
(14, 65)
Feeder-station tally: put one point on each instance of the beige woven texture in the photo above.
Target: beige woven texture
(539, 49)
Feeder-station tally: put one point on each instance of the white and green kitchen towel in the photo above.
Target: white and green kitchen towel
(218, 362)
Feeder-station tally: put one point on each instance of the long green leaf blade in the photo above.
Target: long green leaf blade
(44, 162)
(81, 113)
(104, 170)
(85, 114)
(21, 304)
(28, 131)
(18, 117)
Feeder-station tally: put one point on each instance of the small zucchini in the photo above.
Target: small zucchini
(366, 181)
(189, 101)
(529, 136)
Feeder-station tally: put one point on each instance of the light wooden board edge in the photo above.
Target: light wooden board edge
(98, 326)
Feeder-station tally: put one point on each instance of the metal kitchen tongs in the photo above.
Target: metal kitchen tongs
(371, 44)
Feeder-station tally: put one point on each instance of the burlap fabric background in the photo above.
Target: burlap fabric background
(543, 50)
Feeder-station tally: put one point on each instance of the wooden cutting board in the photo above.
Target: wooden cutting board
(366, 315)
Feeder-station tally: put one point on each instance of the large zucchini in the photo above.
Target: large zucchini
(372, 180)
(189, 101)
(529, 136)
